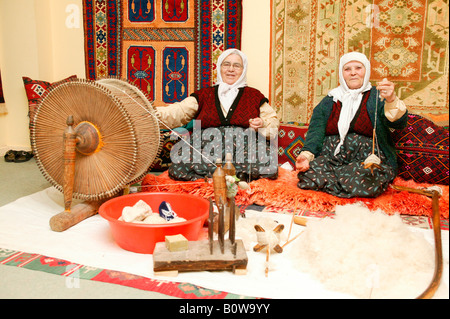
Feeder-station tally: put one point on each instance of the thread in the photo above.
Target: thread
(171, 131)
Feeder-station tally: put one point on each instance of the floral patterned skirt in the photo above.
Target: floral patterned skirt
(254, 157)
(344, 175)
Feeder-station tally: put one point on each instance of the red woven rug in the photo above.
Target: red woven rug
(284, 193)
(75, 272)
(166, 48)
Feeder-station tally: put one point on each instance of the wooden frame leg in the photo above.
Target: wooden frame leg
(436, 220)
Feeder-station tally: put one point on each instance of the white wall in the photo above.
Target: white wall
(256, 42)
(18, 55)
(36, 41)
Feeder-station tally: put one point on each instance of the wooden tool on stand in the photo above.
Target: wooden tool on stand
(91, 140)
(86, 140)
(210, 254)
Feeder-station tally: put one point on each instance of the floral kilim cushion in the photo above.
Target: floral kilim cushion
(290, 142)
(35, 89)
(422, 149)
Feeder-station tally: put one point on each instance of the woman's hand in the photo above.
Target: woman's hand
(256, 123)
(386, 89)
(302, 163)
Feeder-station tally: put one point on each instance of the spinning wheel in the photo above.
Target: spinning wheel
(92, 139)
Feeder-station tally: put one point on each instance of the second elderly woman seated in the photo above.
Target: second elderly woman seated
(230, 117)
(340, 134)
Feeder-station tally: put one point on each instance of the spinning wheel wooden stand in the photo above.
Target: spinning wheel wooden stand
(91, 140)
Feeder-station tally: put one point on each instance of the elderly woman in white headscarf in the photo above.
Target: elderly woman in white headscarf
(341, 132)
(229, 103)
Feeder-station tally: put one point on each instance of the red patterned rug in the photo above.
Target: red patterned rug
(284, 193)
(168, 49)
(75, 272)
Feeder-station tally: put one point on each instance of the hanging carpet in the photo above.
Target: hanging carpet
(405, 41)
(166, 48)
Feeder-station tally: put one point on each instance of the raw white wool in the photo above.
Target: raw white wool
(141, 212)
(154, 218)
(366, 254)
(131, 213)
(144, 205)
(245, 229)
(137, 212)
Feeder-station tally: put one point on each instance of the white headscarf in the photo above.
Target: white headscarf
(350, 99)
(227, 93)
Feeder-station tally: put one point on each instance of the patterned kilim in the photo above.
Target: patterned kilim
(75, 272)
(422, 149)
(166, 48)
(35, 89)
(291, 139)
(405, 40)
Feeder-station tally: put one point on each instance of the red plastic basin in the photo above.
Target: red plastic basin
(141, 238)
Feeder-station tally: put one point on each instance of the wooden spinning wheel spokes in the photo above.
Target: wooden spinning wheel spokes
(116, 136)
